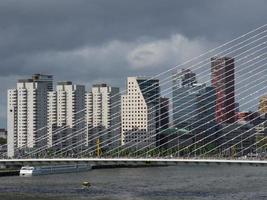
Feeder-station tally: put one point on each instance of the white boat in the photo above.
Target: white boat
(55, 169)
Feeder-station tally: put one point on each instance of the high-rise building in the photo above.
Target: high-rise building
(223, 80)
(103, 116)
(164, 119)
(185, 78)
(193, 103)
(206, 102)
(66, 116)
(140, 112)
(27, 112)
(164, 113)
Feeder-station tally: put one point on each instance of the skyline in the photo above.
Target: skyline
(136, 44)
(45, 84)
(123, 99)
(124, 91)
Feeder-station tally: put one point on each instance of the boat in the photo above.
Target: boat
(53, 169)
(86, 184)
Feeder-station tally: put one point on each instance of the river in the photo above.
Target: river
(189, 182)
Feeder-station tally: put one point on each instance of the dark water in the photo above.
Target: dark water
(177, 182)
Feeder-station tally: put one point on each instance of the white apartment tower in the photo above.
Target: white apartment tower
(27, 113)
(66, 119)
(103, 116)
(140, 112)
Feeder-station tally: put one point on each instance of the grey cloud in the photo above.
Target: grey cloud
(36, 25)
(89, 41)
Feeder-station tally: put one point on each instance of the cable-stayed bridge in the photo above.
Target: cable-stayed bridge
(129, 161)
(214, 106)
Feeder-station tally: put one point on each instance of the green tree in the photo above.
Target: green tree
(3, 141)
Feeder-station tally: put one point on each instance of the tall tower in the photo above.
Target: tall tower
(140, 111)
(66, 109)
(193, 103)
(185, 78)
(103, 115)
(223, 80)
(164, 113)
(184, 95)
(27, 113)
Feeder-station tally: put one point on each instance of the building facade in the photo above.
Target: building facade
(223, 80)
(27, 113)
(184, 86)
(140, 112)
(193, 103)
(237, 140)
(164, 118)
(66, 116)
(263, 105)
(164, 113)
(103, 116)
(261, 125)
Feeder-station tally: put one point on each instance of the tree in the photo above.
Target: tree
(3, 141)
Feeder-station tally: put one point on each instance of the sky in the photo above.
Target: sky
(92, 41)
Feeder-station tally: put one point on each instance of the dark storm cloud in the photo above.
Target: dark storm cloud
(93, 40)
(37, 25)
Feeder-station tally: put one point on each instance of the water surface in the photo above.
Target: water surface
(189, 182)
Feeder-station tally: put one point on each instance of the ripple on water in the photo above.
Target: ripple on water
(180, 182)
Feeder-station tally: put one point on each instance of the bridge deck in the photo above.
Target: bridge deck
(127, 160)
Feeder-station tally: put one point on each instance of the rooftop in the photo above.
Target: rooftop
(65, 83)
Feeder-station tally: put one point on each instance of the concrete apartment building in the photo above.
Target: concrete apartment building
(103, 116)
(66, 116)
(27, 112)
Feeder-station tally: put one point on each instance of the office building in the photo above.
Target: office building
(140, 112)
(164, 118)
(223, 80)
(164, 113)
(237, 140)
(184, 86)
(184, 78)
(193, 103)
(175, 139)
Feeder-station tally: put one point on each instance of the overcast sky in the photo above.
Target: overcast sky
(92, 41)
